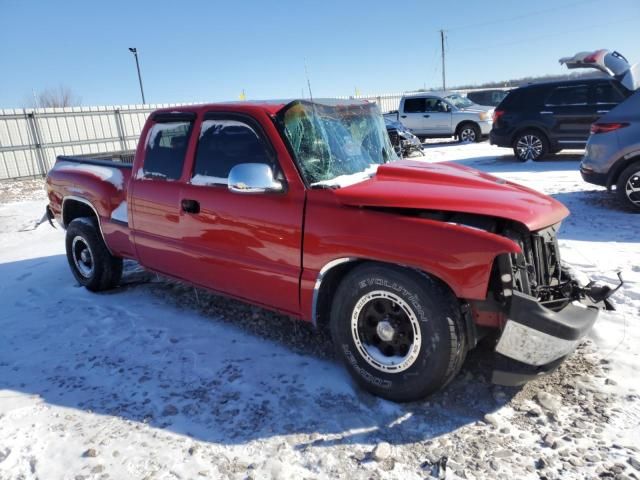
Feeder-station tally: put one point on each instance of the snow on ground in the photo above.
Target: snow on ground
(158, 380)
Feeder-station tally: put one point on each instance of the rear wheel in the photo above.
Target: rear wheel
(530, 145)
(398, 332)
(628, 187)
(90, 261)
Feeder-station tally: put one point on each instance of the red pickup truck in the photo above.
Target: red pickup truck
(303, 207)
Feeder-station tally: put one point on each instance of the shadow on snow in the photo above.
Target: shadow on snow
(153, 351)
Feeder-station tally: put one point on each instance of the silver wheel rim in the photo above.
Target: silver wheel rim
(401, 321)
(632, 188)
(467, 135)
(82, 257)
(529, 147)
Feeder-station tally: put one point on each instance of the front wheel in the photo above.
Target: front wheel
(530, 145)
(628, 187)
(468, 133)
(399, 332)
(91, 262)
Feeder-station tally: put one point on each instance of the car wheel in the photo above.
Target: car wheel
(628, 187)
(399, 332)
(468, 133)
(90, 261)
(530, 145)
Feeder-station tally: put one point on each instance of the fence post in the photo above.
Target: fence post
(37, 142)
(120, 128)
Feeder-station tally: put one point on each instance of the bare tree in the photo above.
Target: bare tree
(60, 96)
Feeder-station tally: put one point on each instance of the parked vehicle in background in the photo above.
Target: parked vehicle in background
(404, 142)
(304, 208)
(487, 97)
(443, 114)
(543, 118)
(612, 156)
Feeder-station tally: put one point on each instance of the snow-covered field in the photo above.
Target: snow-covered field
(156, 380)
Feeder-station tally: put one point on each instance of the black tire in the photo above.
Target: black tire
(468, 132)
(89, 259)
(434, 355)
(530, 145)
(629, 178)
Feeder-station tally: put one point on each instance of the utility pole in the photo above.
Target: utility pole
(444, 78)
(135, 54)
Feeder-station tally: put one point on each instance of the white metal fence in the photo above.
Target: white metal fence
(386, 101)
(30, 139)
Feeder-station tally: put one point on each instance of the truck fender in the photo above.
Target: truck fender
(90, 205)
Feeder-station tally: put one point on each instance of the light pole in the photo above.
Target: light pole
(135, 54)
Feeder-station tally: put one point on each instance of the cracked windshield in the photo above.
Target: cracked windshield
(337, 144)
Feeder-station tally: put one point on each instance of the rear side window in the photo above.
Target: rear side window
(223, 144)
(414, 105)
(606, 93)
(513, 100)
(165, 151)
(570, 95)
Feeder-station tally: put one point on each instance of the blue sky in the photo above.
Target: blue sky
(209, 50)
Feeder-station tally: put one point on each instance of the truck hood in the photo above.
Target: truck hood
(454, 188)
(477, 109)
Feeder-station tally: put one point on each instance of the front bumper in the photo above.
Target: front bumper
(485, 127)
(535, 339)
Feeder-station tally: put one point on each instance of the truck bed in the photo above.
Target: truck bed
(97, 183)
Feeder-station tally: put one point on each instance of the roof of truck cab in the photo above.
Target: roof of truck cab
(271, 107)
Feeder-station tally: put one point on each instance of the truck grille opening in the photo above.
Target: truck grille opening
(538, 272)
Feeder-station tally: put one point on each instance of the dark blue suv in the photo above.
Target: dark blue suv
(543, 118)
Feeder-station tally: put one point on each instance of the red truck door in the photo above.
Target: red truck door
(155, 192)
(245, 245)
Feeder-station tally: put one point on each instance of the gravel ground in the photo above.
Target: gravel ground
(20, 190)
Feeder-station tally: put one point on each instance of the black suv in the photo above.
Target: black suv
(544, 118)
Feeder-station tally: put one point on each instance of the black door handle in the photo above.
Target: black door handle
(190, 206)
(426, 116)
(403, 116)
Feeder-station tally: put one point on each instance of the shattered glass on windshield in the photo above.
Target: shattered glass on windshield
(336, 144)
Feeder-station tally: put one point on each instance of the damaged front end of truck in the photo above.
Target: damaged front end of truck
(545, 311)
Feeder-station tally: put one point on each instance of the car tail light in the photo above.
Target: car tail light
(606, 127)
(591, 58)
(497, 114)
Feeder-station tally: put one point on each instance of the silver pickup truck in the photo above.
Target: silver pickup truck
(443, 114)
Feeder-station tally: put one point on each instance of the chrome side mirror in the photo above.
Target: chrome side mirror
(253, 178)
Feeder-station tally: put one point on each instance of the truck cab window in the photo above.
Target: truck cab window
(166, 148)
(414, 105)
(224, 144)
(435, 105)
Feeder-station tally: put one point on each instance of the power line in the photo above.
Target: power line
(520, 16)
(541, 37)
